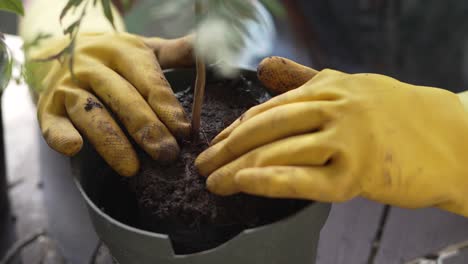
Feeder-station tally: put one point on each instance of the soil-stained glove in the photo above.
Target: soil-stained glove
(119, 73)
(341, 135)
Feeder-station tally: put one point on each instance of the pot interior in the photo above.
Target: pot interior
(111, 193)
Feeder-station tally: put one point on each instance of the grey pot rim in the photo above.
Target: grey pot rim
(249, 231)
(143, 232)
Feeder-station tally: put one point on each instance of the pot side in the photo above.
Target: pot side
(5, 74)
(290, 240)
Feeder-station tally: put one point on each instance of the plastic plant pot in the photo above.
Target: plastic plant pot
(293, 239)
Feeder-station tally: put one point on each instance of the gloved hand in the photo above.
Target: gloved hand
(119, 73)
(341, 135)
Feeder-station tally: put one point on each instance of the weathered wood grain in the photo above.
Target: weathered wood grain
(349, 232)
(410, 234)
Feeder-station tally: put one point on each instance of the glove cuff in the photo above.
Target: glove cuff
(460, 208)
(463, 96)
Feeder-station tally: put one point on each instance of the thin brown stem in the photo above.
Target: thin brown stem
(198, 97)
(199, 85)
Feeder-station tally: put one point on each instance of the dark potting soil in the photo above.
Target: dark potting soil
(173, 199)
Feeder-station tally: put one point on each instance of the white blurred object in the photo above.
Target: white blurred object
(441, 256)
(261, 43)
(14, 45)
(57, 206)
(233, 36)
(174, 18)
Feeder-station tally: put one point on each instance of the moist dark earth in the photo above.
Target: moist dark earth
(172, 198)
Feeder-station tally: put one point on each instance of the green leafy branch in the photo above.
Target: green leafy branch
(200, 82)
(14, 6)
(73, 29)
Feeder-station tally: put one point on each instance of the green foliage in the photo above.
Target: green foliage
(31, 72)
(71, 4)
(36, 41)
(72, 31)
(127, 4)
(15, 6)
(275, 7)
(73, 28)
(108, 11)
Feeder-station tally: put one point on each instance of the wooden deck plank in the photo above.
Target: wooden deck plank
(21, 159)
(409, 234)
(7, 232)
(31, 165)
(349, 232)
(462, 258)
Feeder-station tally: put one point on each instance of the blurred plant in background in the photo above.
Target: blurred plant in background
(14, 6)
(6, 63)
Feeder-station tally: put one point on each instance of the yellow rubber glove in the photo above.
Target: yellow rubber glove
(119, 73)
(339, 136)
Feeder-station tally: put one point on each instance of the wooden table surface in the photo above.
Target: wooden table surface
(43, 197)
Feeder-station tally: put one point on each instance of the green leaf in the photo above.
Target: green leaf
(36, 41)
(71, 28)
(68, 6)
(108, 11)
(126, 4)
(275, 7)
(15, 6)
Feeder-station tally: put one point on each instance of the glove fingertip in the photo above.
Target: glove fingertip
(219, 138)
(173, 53)
(280, 75)
(220, 185)
(166, 151)
(129, 168)
(201, 164)
(183, 130)
(244, 180)
(68, 145)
